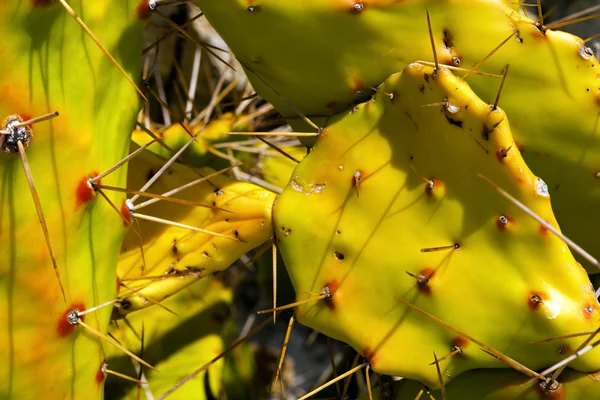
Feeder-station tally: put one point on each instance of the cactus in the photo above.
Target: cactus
(495, 385)
(177, 343)
(51, 65)
(551, 92)
(234, 217)
(175, 136)
(392, 190)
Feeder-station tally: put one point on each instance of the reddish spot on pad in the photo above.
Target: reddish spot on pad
(460, 341)
(125, 212)
(588, 310)
(503, 223)
(38, 3)
(424, 286)
(118, 284)
(64, 327)
(84, 192)
(370, 356)
(536, 299)
(100, 374)
(556, 394)
(429, 189)
(143, 10)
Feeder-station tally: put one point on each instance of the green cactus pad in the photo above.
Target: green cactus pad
(397, 177)
(175, 136)
(50, 64)
(331, 53)
(176, 345)
(239, 210)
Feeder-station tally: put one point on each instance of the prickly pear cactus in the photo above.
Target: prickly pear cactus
(51, 65)
(176, 136)
(177, 344)
(551, 93)
(500, 385)
(235, 218)
(389, 205)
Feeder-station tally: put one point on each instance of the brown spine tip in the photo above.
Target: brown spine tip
(85, 192)
(64, 327)
(535, 299)
(126, 213)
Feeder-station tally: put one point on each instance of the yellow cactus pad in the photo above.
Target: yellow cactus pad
(239, 211)
(392, 189)
(330, 53)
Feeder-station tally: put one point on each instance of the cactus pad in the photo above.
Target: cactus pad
(392, 189)
(49, 64)
(238, 210)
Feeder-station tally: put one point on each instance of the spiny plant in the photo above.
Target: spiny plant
(492, 385)
(60, 244)
(413, 222)
(87, 101)
(209, 222)
(196, 327)
(551, 93)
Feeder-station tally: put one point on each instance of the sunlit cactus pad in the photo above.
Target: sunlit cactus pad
(238, 212)
(331, 53)
(391, 204)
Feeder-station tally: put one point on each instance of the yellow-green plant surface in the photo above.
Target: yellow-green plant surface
(177, 344)
(239, 211)
(51, 65)
(393, 180)
(331, 53)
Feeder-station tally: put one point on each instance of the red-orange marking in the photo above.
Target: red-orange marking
(370, 356)
(64, 328)
(429, 190)
(586, 310)
(118, 284)
(424, 286)
(558, 394)
(143, 10)
(100, 375)
(125, 212)
(531, 300)
(84, 192)
(502, 226)
(460, 341)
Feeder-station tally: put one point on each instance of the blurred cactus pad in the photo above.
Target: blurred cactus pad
(265, 199)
